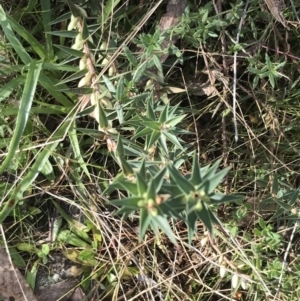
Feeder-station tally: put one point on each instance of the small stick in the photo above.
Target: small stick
(236, 136)
(284, 263)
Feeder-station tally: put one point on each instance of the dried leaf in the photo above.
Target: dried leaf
(172, 90)
(175, 9)
(202, 89)
(276, 8)
(13, 285)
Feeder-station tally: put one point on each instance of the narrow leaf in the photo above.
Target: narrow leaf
(162, 222)
(130, 56)
(34, 171)
(15, 43)
(27, 36)
(76, 149)
(196, 174)
(145, 220)
(140, 71)
(73, 8)
(183, 184)
(70, 51)
(25, 106)
(85, 31)
(46, 19)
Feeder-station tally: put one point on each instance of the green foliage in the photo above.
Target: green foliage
(97, 112)
(269, 70)
(189, 198)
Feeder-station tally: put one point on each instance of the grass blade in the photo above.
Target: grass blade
(27, 36)
(76, 149)
(26, 102)
(9, 87)
(41, 160)
(46, 19)
(15, 43)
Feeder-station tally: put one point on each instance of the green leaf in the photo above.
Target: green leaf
(17, 259)
(78, 228)
(172, 122)
(268, 61)
(141, 184)
(46, 19)
(210, 172)
(196, 174)
(120, 89)
(109, 10)
(77, 150)
(66, 236)
(218, 198)
(85, 31)
(164, 116)
(140, 71)
(154, 125)
(47, 170)
(81, 91)
(255, 82)
(130, 56)
(70, 78)
(25, 106)
(120, 147)
(159, 179)
(143, 171)
(283, 205)
(163, 223)
(27, 247)
(6, 90)
(151, 191)
(103, 121)
(173, 139)
(49, 85)
(153, 138)
(65, 34)
(15, 43)
(73, 8)
(120, 112)
(143, 133)
(87, 257)
(145, 220)
(204, 216)
(183, 184)
(31, 277)
(275, 183)
(262, 223)
(57, 223)
(293, 197)
(45, 249)
(162, 141)
(70, 51)
(150, 108)
(62, 18)
(210, 184)
(60, 67)
(39, 49)
(109, 84)
(129, 203)
(191, 221)
(36, 167)
(126, 168)
(157, 63)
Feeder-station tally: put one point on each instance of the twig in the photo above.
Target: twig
(218, 8)
(284, 263)
(294, 10)
(236, 137)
